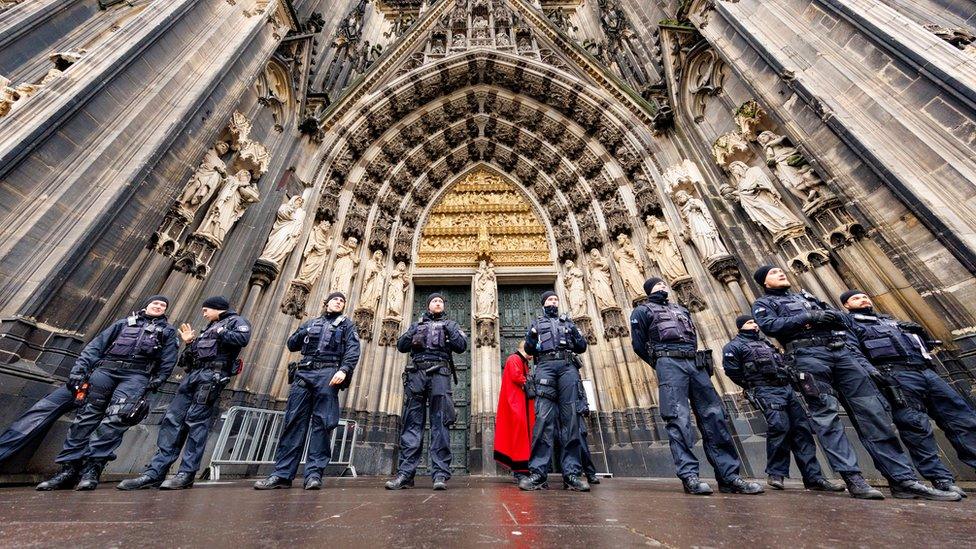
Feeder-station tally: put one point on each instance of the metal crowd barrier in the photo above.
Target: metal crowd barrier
(249, 436)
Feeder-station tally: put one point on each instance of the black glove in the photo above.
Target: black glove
(879, 378)
(154, 385)
(913, 327)
(826, 318)
(75, 381)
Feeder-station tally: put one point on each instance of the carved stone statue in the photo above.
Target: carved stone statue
(600, 283)
(369, 297)
(399, 282)
(284, 234)
(664, 250)
(760, 200)
(345, 265)
(315, 253)
(205, 180)
(629, 266)
(792, 169)
(486, 291)
(575, 289)
(700, 228)
(238, 193)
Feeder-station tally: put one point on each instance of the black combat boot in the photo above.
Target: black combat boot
(776, 482)
(141, 482)
(740, 486)
(592, 478)
(859, 488)
(948, 485)
(823, 485)
(911, 489)
(181, 481)
(272, 482)
(399, 482)
(535, 481)
(90, 475)
(695, 486)
(575, 483)
(440, 483)
(66, 478)
(313, 483)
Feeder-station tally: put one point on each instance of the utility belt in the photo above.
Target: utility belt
(902, 367)
(426, 366)
(552, 356)
(219, 365)
(674, 354)
(109, 364)
(770, 382)
(316, 365)
(833, 343)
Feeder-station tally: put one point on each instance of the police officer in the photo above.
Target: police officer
(553, 340)
(133, 356)
(815, 337)
(664, 336)
(330, 351)
(427, 384)
(36, 421)
(586, 458)
(755, 365)
(899, 358)
(209, 360)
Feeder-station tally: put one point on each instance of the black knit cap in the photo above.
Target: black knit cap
(650, 283)
(217, 302)
(157, 297)
(546, 295)
(434, 296)
(335, 294)
(849, 294)
(760, 275)
(741, 320)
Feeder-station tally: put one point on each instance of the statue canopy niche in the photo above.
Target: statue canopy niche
(483, 217)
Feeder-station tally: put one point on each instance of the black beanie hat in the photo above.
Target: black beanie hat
(546, 295)
(760, 275)
(217, 302)
(156, 297)
(335, 294)
(432, 297)
(741, 320)
(849, 294)
(650, 283)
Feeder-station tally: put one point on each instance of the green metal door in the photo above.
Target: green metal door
(457, 306)
(517, 307)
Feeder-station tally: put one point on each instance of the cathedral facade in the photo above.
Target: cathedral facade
(274, 151)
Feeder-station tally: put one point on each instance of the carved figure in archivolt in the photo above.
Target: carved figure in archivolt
(760, 200)
(399, 282)
(792, 168)
(315, 253)
(664, 250)
(238, 193)
(486, 291)
(286, 230)
(700, 228)
(629, 266)
(345, 265)
(575, 289)
(205, 180)
(369, 297)
(600, 283)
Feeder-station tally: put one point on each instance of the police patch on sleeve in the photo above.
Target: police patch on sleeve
(758, 310)
(243, 328)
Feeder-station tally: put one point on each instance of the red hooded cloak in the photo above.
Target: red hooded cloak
(515, 417)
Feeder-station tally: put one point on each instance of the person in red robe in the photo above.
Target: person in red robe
(515, 417)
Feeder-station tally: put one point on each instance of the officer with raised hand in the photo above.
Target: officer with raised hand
(209, 360)
(553, 340)
(816, 339)
(427, 385)
(664, 336)
(133, 356)
(330, 351)
(901, 363)
(754, 364)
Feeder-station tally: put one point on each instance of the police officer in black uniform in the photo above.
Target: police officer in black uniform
(752, 362)
(816, 339)
(36, 421)
(553, 340)
(133, 356)
(209, 360)
(427, 385)
(330, 351)
(664, 336)
(901, 365)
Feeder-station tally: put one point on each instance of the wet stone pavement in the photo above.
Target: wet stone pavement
(474, 511)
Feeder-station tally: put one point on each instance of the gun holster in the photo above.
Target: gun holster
(530, 387)
(703, 361)
(292, 368)
(807, 385)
